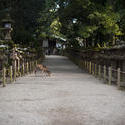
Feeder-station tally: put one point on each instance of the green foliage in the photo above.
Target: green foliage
(94, 21)
(55, 26)
(86, 31)
(25, 15)
(23, 37)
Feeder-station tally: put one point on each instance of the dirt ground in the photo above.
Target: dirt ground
(69, 97)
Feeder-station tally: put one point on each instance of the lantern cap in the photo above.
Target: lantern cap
(7, 19)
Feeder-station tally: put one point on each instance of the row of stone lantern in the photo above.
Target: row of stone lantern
(6, 29)
(5, 36)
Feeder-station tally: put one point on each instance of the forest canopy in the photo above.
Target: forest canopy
(89, 23)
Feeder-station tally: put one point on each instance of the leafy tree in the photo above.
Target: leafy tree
(95, 22)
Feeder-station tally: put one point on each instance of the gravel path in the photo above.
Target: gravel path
(68, 97)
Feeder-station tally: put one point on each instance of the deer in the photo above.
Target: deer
(43, 68)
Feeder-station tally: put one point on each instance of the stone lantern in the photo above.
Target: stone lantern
(5, 34)
(7, 27)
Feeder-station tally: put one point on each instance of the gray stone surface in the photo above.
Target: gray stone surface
(69, 97)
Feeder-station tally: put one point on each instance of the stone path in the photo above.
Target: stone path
(69, 97)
